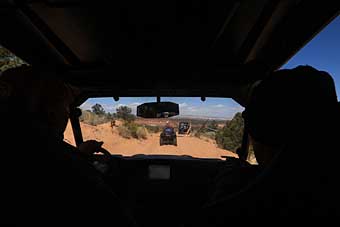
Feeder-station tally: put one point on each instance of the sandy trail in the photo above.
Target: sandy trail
(115, 144)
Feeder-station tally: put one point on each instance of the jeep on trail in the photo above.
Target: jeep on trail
(184, 128)
(168, 136)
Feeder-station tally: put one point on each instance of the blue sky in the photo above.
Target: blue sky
(322, 52)
(221, 108)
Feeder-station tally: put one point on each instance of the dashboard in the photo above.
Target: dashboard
(158, 183)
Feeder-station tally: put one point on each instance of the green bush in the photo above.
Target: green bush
(153, 129)
(141, 133)
(135, 131)
(124, 132)
(8, 60)
(196, 133)
(132, 127)
(210, 135)
(212, 125)
(125, 113)
(91, 118)
(98, 109)
(230, 136)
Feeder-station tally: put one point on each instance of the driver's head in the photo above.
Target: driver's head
(285, 105)
(43, 98)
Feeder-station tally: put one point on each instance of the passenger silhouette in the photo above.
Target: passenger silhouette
(291, 118)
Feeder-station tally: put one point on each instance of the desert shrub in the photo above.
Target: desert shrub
(98, 109)
(135, 131)
(153, 129)
(212, 125)
(210, 135)
(203, 133)
(91, 118)
(125, 113)
(230, 136)
(141, 133)
(124, 132)
(8, 60)
(132, 127)
(196, 133)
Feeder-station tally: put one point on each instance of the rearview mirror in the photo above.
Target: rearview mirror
(158, 110)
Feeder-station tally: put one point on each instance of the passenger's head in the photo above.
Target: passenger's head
(285, 106)
(39, 96)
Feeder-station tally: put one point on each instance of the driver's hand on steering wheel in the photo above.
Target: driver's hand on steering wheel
(91, 147)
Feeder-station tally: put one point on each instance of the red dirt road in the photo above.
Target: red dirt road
(115, 144)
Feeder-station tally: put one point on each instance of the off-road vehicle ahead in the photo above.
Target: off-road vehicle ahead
(184, 128)
(168, 136)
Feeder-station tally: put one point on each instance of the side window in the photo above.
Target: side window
(251, 156)
(8, 60)
(322, 52)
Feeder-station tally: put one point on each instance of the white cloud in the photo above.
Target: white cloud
(213, 111)
(135, 104)
(183, 105)
(237, 108)
(109, 107)
(86, 106)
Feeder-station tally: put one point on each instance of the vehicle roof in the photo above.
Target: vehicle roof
(161, 48)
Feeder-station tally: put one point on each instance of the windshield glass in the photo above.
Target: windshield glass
(209, 129)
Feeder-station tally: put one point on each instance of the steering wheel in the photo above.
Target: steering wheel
(103, 165)
(90, 148)
(90, 155)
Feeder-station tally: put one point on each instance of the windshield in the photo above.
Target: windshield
(209, 129)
